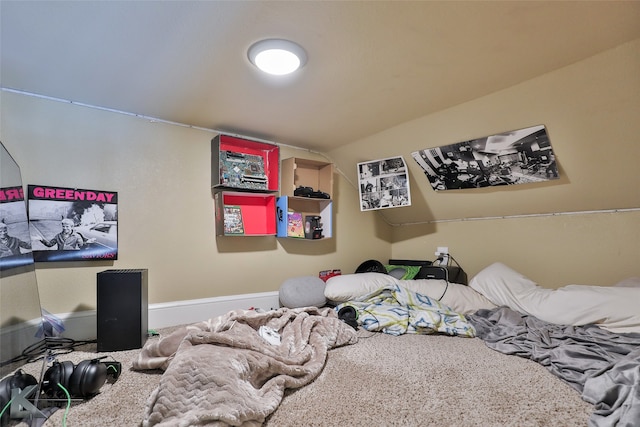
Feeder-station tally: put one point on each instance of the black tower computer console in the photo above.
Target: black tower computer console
(122, 314)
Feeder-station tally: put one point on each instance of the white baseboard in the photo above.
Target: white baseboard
(82, 325)
(182, 312)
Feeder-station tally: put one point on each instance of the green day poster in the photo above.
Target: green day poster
(15, 242)
(71, 224)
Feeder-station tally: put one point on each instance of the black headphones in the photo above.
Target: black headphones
(19, 380)
(371, 266)
(349, 315)
(82, 380)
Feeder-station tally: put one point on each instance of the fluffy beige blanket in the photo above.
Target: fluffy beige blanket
(223, 372)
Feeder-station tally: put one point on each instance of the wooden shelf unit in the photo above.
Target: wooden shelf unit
(258, 212)
(297, 172)
(307, 207)
(245, 183)
(317, 175)
(243, 164)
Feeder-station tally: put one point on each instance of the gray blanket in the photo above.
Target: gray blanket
(602, 365)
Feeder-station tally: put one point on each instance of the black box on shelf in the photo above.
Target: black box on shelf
(430, 271)
(449, 273)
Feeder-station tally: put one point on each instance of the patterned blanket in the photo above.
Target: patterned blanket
(225, 372)
(396, 310)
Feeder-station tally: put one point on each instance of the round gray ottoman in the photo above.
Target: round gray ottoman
(306, 291)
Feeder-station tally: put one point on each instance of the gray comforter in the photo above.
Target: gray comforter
(602, 365)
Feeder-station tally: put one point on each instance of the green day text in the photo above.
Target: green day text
(71, 194)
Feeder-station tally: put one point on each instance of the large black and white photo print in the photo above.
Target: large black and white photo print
(516, 157)
(70, 224)
(384, 184)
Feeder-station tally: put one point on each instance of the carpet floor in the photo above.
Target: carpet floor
(383, 380)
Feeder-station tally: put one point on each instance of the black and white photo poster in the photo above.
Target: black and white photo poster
(384, 184)
(71, 224)
(516, 157)
(15, 243)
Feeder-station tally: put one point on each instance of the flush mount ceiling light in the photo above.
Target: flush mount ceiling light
(277, 56)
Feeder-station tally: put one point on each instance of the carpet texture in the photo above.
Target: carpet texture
(408, 380)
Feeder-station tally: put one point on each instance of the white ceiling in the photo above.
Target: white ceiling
(372, 65)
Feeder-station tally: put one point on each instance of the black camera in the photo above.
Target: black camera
(312, 227)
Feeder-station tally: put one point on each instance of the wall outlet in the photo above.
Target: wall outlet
(442, 250)
(443, 255)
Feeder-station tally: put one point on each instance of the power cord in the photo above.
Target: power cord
(439, 263)
(460, 269)
(36, 351)
(446, 287)
(5, 407)
(66, 411)
(458, 273)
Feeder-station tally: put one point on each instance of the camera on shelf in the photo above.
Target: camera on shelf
(312, 227)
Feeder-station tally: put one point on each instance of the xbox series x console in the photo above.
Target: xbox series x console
(122, 313)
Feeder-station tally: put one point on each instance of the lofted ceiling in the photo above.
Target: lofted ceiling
(372, 64)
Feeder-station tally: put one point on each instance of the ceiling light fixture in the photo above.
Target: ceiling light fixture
(277, 56)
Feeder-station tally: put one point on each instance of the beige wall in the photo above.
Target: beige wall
(166, 219)
(591, 112)
(162, 175)
(557, 250)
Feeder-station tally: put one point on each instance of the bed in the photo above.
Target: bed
(245, 360)
(588, 336)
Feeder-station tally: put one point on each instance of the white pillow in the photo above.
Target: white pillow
(614, 308)
(346, 287)
(460, 298)
(498, 276)
(465, 300)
